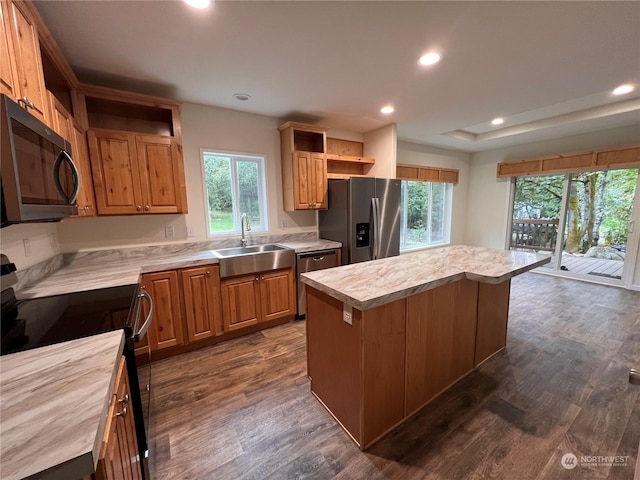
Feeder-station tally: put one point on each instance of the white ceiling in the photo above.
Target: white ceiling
(336, 63)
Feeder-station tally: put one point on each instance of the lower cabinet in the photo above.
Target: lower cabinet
(250, 299)
(119, 453)
(166, 327)
(192, 305)
(201, 288)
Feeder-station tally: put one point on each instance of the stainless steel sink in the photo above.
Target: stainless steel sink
(254, 258)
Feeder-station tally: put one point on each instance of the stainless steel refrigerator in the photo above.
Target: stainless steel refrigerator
(364, 215)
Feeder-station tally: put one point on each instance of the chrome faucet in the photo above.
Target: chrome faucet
(244, 219)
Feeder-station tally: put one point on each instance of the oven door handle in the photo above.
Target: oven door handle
(139, 335)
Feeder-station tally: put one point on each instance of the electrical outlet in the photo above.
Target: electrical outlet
(27, 247)
(168, 232)
(347, 314)
(191, 231)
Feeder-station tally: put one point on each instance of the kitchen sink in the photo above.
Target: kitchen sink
(253, 259)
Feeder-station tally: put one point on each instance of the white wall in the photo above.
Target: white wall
(417, 154)
(381, 144)
(488, 196)
(202, 127)
(43, 240)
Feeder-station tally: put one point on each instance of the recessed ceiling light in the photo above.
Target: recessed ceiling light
(497, 121)
(429, 58)
(198, 3)
(622, 89)
(243, 97)
(387, 109)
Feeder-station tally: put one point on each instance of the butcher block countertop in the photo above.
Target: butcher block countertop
(370, 284)
(54, 408)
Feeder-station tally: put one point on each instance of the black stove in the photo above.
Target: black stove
(38, 322)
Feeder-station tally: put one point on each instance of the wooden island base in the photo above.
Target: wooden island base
(376, 373)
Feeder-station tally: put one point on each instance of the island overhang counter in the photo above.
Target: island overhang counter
(387, 336)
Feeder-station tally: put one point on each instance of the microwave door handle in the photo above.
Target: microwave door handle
(139, 335)
(63, 156)
(76, 177)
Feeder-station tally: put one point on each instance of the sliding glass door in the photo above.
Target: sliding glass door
(584, 220)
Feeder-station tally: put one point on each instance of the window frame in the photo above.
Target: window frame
(447, 212)
(260, 160)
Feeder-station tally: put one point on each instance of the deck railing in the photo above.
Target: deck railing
(534, 233)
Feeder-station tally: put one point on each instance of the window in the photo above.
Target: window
(425, 210)
(234, 185)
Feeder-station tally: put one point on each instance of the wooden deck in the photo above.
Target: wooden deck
(589, 266)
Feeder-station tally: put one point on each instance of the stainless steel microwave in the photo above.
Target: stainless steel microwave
(38, 179)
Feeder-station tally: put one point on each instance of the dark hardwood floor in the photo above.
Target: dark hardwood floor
(243, 409)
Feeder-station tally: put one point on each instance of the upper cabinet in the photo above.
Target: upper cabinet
(86, 197)
(135, 151)
(63, 123)
(7, 60)
(21, 63)
(304, 166)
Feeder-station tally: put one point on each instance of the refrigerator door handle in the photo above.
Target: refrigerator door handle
(374, 236)
(378, 223)
(375, 244)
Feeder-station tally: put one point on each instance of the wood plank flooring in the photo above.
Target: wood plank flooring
(243, 409)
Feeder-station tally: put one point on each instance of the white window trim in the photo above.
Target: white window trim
(448, 209)
(262, 192)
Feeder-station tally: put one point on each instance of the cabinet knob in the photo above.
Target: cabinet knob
(124, 399)
(123, 413)
(257, 279)
(262, 277)
(208, 273)
(139, 208)
(146, 207)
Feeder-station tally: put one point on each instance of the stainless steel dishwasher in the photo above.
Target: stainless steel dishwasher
(310, 262)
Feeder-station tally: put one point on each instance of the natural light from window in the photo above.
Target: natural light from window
(234, 184)
(425, 214)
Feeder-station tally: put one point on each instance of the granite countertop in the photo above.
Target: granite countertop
(55, 401)
(113, 269)
(371, 284)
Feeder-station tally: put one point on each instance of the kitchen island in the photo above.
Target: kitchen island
(387, 336)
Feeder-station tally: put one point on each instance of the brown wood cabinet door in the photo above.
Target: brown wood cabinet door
(61, 120)
(86, 197)
(116, 177)
(28, 73)
(240, 302)
(277, 294)
(319, 181)
(7, 58)
(119, 454)
(159, 174)
(166, 326)
(201, 287)
(302, 180)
